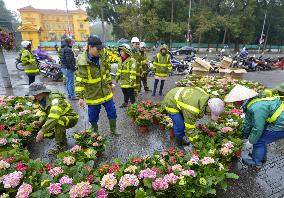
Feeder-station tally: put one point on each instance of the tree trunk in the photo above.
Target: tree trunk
(199, 40)
(224, 37)
(172, 20)
(4, 70)
(266, 36)
(103, 24)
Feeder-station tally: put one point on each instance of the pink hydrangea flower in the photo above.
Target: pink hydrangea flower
(108, 181)
(194, 159)
(65, 180)
(226, 129)
(55, 188)
(3, 141)
(228, 144)
(171, 178)
(177, 167)
(188, 173)
(148, 173)
(24, 191)
(102, 193)
(55, 171)
(207, 160)
(128, 180)
(160, 184)
(13, 179)
(82, 189)
(69, 160)
(76, 148)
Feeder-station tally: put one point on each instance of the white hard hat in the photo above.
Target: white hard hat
(25, 43)
(223, 50)
(135, 40)
(142, 44)
(216, 106)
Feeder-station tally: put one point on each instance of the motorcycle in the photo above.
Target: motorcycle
(19, 64)
(279, 64)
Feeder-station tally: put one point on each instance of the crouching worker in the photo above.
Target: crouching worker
(185, 105)
(263, 123)
(56, 113)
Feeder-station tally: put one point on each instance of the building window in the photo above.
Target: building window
(47, 26)
(63, 26)
(58, 26)
(53, 26)
(81, 26)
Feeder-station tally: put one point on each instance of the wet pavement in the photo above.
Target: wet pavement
(267, 182)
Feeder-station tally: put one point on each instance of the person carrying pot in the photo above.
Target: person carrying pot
(185, 105)
(263, 122)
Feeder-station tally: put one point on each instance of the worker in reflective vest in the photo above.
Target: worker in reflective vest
(30, 65)
(93, 83)
(56, 115)
(263, 122)
(185, 105)
(162, 67)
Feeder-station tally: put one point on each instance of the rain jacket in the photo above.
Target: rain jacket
(257, 116)
(29, 62)
(143, 63)
(190, 101)
(56, 111)
(162, 65)
(126, 73)
(93, 81)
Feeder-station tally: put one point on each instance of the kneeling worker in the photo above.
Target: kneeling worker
(185, 105)
(56, 113)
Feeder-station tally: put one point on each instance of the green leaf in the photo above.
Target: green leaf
(211, 191)
(224, 185)
(231, 176)
(140, 193)
(66, 188)
(41, 193)
(63, 196)
(147, 183)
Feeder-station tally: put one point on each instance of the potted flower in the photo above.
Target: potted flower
(143, 121)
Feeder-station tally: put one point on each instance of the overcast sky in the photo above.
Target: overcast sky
(41, 4)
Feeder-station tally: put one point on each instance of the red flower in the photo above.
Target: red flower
(21, 166)
(169, 170)
(90, 178)
(48, 166)
(180, 154)
(9, 160)
(157, 170)
(136, 160)
(173, 160)
(2, 127)
(211, 134)
(113, 168)
(236, 112)
(172, 151)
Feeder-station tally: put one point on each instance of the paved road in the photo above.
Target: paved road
(269, 182)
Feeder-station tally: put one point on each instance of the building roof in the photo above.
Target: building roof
(49, 11)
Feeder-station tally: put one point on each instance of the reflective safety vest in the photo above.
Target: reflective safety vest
(93, 82)
(162, 65)
(58, 110)
(126, 73)
(29, 62)
(190, 101)
(276, 114)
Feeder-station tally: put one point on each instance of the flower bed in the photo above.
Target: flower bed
(172, 173)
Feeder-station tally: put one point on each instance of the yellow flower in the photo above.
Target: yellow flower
(202, 181)
(182, 181)
(89, 153)
(44, 183)
(77, 136)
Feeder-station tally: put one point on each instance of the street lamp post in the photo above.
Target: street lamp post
(188, 28)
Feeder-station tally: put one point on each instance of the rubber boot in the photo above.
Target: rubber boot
(95, 127)
(182, 142)
(112, 126)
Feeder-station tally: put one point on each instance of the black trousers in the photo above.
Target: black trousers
(31, 79)
(128, 93)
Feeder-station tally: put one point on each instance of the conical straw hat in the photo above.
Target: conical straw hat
(240, 93)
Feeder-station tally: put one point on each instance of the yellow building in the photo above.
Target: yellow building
(49, 25)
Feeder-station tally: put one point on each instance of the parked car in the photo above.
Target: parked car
(184, 50)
